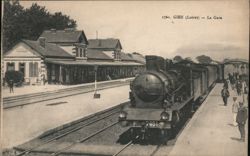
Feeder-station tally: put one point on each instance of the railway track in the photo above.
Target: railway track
(67, 149)
(81, 140)
(52, 138)
(22, 100)
(67, 129)
(117, 152)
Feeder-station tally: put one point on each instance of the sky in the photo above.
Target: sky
(143, 27)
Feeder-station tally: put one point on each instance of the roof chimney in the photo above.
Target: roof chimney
(99, 42)
(42, 41)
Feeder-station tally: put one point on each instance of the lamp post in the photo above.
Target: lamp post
(96, 96)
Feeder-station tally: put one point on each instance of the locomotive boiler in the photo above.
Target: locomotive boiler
(162, 97)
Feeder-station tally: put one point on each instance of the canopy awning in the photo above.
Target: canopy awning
(92, 63)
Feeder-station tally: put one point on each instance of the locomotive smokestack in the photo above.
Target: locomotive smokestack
(155, 63)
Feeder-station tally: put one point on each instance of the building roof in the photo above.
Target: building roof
(50, 50)
(97, 54)
(109, 43)
(228, 61)
(126, 57)
(64, 36)
(138, 58)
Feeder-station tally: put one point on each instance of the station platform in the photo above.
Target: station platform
(210, 132)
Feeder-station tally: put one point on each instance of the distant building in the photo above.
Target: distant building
(138, 57)
(111, 47)
(240, 66)
(67, 57)
(29, 57)
(68, 40)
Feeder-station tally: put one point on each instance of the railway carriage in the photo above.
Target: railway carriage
(164, 95)
(212, 74)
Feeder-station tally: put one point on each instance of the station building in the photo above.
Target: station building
(67, 57)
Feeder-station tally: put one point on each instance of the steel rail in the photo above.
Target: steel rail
(40, 95)
(27, 96)
(82, 140)
(14, 98)
(87, 118)
(67, 132)
(50, 96)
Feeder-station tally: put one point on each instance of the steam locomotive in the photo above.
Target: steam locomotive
(165, 95)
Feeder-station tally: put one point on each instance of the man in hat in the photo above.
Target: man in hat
(241, 120)
(238, 87)
(235, 108)
(225, 84)
(11, 86)
(225, 94)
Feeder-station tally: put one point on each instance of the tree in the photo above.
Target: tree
(204, 59)
(11, 28)
(189, 59)
(226, 60)
(20, 23)
(177, 58)
(15, 76)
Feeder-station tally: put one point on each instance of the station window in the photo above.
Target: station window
(77, 52)
(33, 69)
(84, 52)
(53, 70)
(10, 66)
(22, 68)
(81, 52)
(117, 55)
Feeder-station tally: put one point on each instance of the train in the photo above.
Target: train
(166, 94)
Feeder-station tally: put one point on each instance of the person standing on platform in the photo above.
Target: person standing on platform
(244, 87)
(11, 86)
(43, 79)
(238, 87)
(225, 94)
(225, 84)
(241, 120)
(233, 83)
(235, 108)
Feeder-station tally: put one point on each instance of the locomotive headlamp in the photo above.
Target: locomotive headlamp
(164, 116)
(122, 115)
